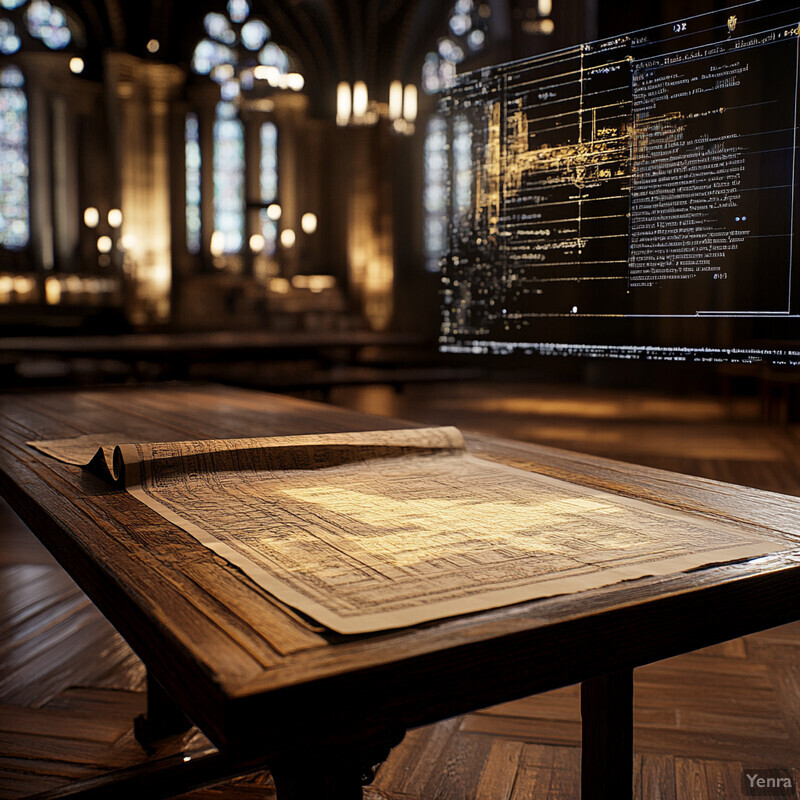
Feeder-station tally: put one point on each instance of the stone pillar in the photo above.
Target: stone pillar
(369, 225)
(139, 95)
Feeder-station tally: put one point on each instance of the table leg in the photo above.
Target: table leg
(331, 775)
(163, 717)
(607, 721)
(317, 781)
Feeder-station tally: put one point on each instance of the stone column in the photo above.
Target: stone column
(139, 95)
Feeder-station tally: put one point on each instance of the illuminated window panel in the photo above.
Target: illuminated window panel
(209, 55)
(462, 166)
(269, 183)
(14, 203)
(467, 34)
(435, 192)
(48, 24)
(9, 41)
(274, 56)
(192, 157)
(229, 178)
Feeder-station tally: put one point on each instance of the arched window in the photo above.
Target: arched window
(269, 183)
(23, 24)
(14, 204)
(237, 53)
(47, 23)
(435, 194)
(192, 157)
(38, 19)
(467, 34)
(462, 166)
(228, 179)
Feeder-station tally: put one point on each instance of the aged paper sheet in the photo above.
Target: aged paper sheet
(382, 529)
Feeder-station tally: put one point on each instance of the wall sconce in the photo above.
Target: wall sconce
(403, 112)
(343, 103)
(91, 217)
(308, 222)
(360, 101)
(354, 107)
(108, 235)
(217, 244)
(543, 24)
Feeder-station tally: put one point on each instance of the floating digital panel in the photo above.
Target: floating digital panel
(633, 197)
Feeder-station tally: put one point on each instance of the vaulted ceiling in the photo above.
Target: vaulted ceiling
(374, 40)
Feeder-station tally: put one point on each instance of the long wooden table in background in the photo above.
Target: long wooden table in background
(319, 708)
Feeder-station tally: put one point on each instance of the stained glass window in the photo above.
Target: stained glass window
(14, 210)
(47, 23)
(467, 34)
(269, 183)
(208, 55)
(462, 166)
(435, 194)
(218, 56)
(254, 34)
(468, 28)
(274, 56)
(192, 156)
(9, 41)
(229, 177)
(44, 22)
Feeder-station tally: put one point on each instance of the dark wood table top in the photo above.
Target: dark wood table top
(256, 678)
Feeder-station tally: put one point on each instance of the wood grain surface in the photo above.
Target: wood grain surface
(255, 676)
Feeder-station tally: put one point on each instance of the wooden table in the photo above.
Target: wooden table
(319, 708)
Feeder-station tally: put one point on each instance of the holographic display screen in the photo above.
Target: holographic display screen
(633, 197)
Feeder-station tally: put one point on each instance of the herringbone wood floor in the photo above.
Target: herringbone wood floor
(70, 687)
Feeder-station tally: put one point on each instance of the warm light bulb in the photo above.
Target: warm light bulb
(257, 242)
(295, 81)
(76, 65)
(153, 46)
(395, 100)
(410, 103)
(545, 8)
(52, 291)
(104, 244)
(343, 106)
(115, 218)
(91, 217)
(360, 99)
(217, 245)
(308, 222)
(279, 285)
(288, 238)
(271, 75)
(274, 211)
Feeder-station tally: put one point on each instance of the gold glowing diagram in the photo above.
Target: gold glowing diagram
(584, 164)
